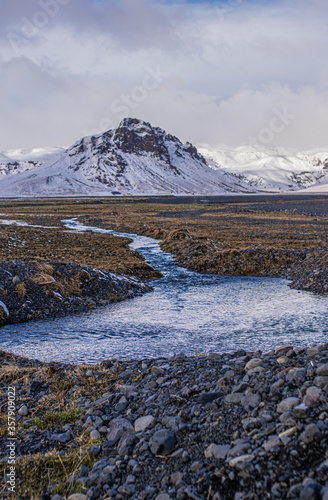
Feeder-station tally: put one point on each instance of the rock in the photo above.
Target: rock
(127, 489)
(35, 385)
(196, 466)
(61, 438)
(322, 370)
(4, 314)
(253, 363)
(252, 400)
(312, 397)
(296, 375)
(273, 442)
(218, 451)
(143, 423)
(283, 350)
(23, 411)
(234, 399)
(239, 449)
(162, 442)
(310, 434)
(16, 280)
(310, 490)
(84, 471)
(157, 370)
(125, 445)
(209, 452)
(243, 458)
(77, 496)
(163, 496)
(288, 433)
(321, 381)
(95, 434)
(301, 411)
(209, 397)
(119, 427)
(282, 360)
(312, 351)
(94, 451)
(287, 404)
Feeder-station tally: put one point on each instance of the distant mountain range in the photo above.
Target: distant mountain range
(273, 170)
(138, 159)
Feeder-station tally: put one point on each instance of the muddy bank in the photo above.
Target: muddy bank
(242, 426)
(32, 290)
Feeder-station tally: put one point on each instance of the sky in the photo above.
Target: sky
(217, 72)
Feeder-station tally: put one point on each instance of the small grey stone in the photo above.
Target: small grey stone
(94, 434)
(125, 445)
(322, 370)
(142, 423)
(23, 411)
(61, 438)
(77, 496)
(312, 397)
(94, 451)
(310, 434)
(234, 399)
(310, 490)
(162, 442)
(253, 363)
(209, 397)
(301, 411)
(252, 400)
(287, 404)
(239, 449)
(119, 427)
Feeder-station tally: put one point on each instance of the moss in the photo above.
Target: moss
(49, 418)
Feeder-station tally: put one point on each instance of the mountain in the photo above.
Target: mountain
(134, 159)
(273, 170)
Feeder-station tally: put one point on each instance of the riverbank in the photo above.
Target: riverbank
(37, 289)
(261, 236)
(233, 426)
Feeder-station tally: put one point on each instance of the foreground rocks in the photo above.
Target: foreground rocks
(233, 426)
(44, 289)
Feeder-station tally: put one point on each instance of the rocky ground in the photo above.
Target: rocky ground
(236, 426)
(44, 289)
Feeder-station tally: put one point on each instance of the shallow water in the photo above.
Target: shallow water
(187, 312)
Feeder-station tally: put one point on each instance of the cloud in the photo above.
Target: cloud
(69, 67)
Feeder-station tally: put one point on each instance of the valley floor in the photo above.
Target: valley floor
(275, 236)
(242, 426)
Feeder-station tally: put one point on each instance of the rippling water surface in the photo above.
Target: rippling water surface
(187, 312)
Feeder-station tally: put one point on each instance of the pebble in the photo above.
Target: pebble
(162, 442)
(287, 404)
(142, 423)
(23, 411)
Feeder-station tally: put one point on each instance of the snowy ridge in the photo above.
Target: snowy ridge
(138, 159)
(134, 159)
(273, 170)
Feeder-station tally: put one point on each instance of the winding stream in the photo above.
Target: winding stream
(187, 312)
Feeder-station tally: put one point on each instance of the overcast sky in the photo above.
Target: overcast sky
(212, 72)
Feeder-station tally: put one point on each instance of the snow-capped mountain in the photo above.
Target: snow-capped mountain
(271, 169)
(134, 159)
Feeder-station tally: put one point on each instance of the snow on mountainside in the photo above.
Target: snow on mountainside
(134, 159)
(19, 160)
(272, 169)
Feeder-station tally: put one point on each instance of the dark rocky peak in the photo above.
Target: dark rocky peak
(139, 137)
